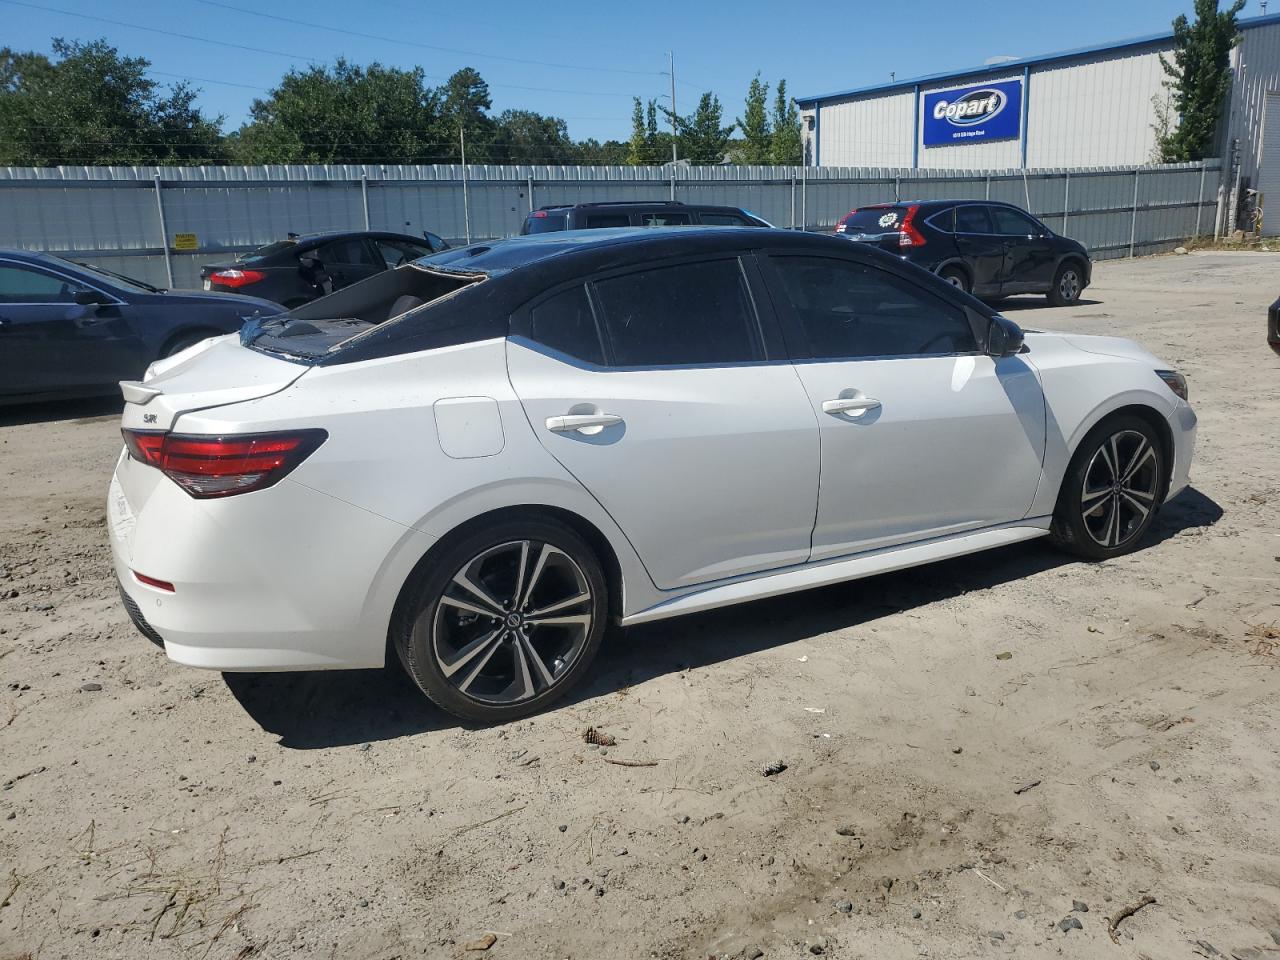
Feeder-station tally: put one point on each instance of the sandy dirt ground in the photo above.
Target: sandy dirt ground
(986, 757)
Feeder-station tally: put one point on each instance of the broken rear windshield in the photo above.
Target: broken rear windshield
(323, 326)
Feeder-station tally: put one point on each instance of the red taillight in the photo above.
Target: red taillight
(144, 447)
(910, 236)
(208, 467)
(236, 278)
(539, 214)
(153, 582)
(842, 226)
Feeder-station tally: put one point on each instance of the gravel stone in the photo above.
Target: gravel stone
(91, 687)
(1067, 924)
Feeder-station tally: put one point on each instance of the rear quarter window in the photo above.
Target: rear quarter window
(565, 322)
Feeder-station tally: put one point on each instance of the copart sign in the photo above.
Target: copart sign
(989, 111)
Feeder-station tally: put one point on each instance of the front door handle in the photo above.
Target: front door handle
(582, 422)
(850, 405)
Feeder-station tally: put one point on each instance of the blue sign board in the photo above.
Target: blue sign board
(988, 111)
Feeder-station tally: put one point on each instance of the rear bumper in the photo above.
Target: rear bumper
(280, 579)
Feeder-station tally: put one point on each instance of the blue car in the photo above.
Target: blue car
(72, 330)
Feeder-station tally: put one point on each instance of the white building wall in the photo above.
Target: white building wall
(1256, 63)
(872, 131)
(1098, 112)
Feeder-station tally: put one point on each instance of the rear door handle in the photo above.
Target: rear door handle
(850, 405)
(582, 422)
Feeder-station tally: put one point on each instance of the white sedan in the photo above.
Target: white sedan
(481, 459)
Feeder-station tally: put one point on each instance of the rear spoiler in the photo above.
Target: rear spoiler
(136, 392)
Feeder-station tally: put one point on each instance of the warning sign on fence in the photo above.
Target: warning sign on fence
(185, 241)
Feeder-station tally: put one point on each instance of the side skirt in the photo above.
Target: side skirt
(841, 569)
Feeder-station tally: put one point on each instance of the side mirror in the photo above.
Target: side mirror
(1004, 338)
(89, 298)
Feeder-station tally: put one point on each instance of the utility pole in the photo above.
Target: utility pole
(672, 57)
(466, 200)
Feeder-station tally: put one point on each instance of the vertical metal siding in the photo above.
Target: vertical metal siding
(870, 131)
(1094, 113)
(1257, 73)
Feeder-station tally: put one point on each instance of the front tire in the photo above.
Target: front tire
(1068, 284)
(505, 620)
(1111, 490)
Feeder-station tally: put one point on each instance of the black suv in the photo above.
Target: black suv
(300, 269)
(633, 213)
(986, 248)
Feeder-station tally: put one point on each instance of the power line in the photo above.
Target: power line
(280, 53)
(166, 33)
(424, 46)
(224, 83)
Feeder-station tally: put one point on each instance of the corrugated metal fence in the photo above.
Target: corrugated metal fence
(130, 218)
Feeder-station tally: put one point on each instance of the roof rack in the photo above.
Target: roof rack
(616, 203)
(634, 203)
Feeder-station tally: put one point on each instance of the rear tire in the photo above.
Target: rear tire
(1068, 284)
(505, 620)
(957, 278)
(1103, 509)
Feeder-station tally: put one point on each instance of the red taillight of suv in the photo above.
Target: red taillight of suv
(236, 278)
(909, 235)
(207, 467)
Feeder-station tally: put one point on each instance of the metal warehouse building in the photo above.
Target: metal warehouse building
(1080, 108)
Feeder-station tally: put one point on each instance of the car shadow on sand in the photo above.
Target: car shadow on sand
(316, 710)
(82, 410)
(1036, 302)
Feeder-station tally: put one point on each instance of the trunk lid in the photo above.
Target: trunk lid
(213, 373)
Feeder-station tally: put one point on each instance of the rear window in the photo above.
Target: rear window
(723, 220)
(322, 326)
(873, 220)
(270, 250)
(540, 221)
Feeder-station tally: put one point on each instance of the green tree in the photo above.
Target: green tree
(757, 137)
(344, 114)
(611, 152)
(700, 136)
(647, 145)
(787, 144)
(1200, 78)
(464, 105)
(523, 136)
(90, 105)
(638, 145)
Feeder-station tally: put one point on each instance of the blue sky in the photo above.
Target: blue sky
(594, 56)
